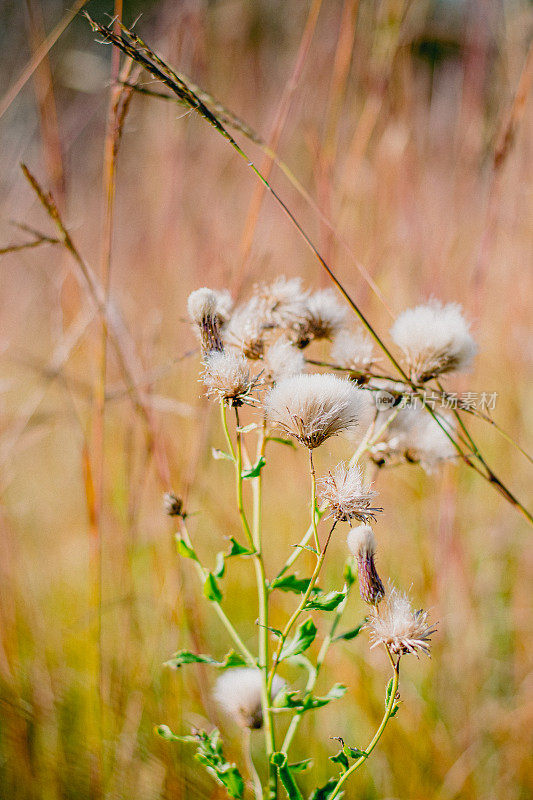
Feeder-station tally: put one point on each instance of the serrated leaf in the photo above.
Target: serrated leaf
(301, 766)
(211, 589)
(237, 549)
(183, 657)
(337, 691)
(290, 583)
(220, 455)
(281, 440)
(354, 752)
(351, 634)
(210, 754)
(184, 549)
(342, 759)
(255, 470)
(326, 602)
(302, 639)
(285, 775)
(220, 566)
(325, 792)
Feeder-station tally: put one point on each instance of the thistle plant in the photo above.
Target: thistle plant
(265, 368)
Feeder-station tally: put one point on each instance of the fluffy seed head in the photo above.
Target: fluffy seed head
(238, 692)
(435, 338)
(313, 407)
(227, 376)
(203, 305)
(362, 544)
(399, 627)
(246, 330)
(347, 494)
(413, 436)
(324, 317)
(282, 360)
(353, 351)
(283, 301)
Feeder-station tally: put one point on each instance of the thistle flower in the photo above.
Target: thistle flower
(313, 407)
(238, 692)
(173, 505)
(282, 360)
(362, 544)
(415, 437)
(227, 376)
(324, 317)
(400, 628)
(354, 351)
(246, 330)
(283, 301)
(347, 495)
(435, 338)
(204, 310)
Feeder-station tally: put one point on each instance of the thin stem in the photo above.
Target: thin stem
(377, 736)
(250, 766)
(202, 574)
(313, 501)
(302, 543)
(301, 606)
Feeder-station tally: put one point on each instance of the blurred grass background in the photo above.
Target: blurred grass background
(392, 126)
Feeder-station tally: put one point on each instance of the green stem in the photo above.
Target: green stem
(313, 501)
(377, 736)
(202, 574)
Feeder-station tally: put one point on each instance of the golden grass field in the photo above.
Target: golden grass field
(392, 115)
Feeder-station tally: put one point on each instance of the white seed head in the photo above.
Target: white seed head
(362, 542)
(246, 330)
(399, 627)
(224, 304)
(435, 338)
(347, 495)
(238, 692)
(282, 360)
(414, 436)
(283, 301)
(324, 318)
(353, 351)
(202, 303)
(313, 407)
(227, 376)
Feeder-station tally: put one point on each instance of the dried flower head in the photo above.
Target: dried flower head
(227, 376)
(354, 351)
(204, 310)
(324, 317)
(415, 437)
(362, 545)
(435, 338)
(238, 692)
(283, 302)
(173, 505)
(347, 495)
(313, 407)
(400, 628)
(246, 330)
(282, 360)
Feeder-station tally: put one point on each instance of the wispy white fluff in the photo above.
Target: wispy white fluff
(324, 318)
(202, 303)
(246, 330)
(238, 692)
(435, 338)
(415, 436)
(347, 494)
(282, 360)
(399, 627)
(283, 301)
(227, 376)
(313, 407)
(353, 350)
(362, 541)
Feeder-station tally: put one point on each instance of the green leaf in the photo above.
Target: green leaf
(237, 549)
(281, 440)
(349, 575)
(354, 752)
(290, 583)
(182, 657)
(219, 455)
(289, 698)
(396, 704)
(220, 566)
(301, 766)
(285, 775)
(211, 589)
(255, 470)
(165, 733)
(326, 602)
(325, 792)
(337, 691)
(184, 549)
(351, 634)
(303, 638)
(209, 753)
(342, 759)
